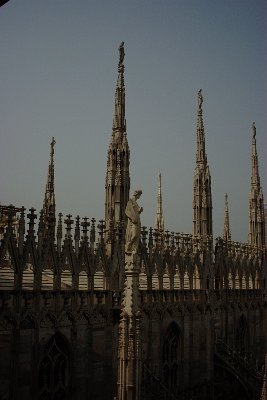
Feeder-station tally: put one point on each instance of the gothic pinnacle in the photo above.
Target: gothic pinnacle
(159, 215)
(201, 153)
(200, 100)
(202, 202)
(50, 176)
(256, 201)
(49, 207)
(226, 228)
(119, 122)
(255, 179)
(117, 178)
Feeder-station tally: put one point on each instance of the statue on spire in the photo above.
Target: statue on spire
(52, 144)
(254, 130)
(200, 99)
(133, 230)
(122, 54)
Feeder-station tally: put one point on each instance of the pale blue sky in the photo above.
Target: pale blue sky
(58, 71)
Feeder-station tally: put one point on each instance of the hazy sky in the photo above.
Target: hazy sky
(58, 71)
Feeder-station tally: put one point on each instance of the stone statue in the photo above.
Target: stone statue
(133, 230)
(122, 53)
(52, 146)
(200, 98)
(254, 130)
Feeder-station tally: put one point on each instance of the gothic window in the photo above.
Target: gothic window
(171, 356)
(241, 337)
(54, 370)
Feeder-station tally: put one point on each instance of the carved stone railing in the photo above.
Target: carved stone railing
(55, 301)
(235, 295)
(172, 296)
(199, 296)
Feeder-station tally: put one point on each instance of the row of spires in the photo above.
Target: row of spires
(117, 185)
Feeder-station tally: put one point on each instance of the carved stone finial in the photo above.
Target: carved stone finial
(77, 228)
(92, 232)
(144, 235)
(101, 226)
(31, 216)
(226, 229)
(68, 221)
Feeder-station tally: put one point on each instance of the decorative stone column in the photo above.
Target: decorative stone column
(129, 352)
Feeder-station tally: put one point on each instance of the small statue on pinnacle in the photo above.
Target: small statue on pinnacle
(52, 146)
(133, 230)
(200, 98)
(122, 53)
(254, 130)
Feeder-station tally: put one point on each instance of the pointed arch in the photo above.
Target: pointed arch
(54, 369)
(196, 278)
(28, 277)
(85, 259)
(99, 274)
(242, 336)
(172, 356)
